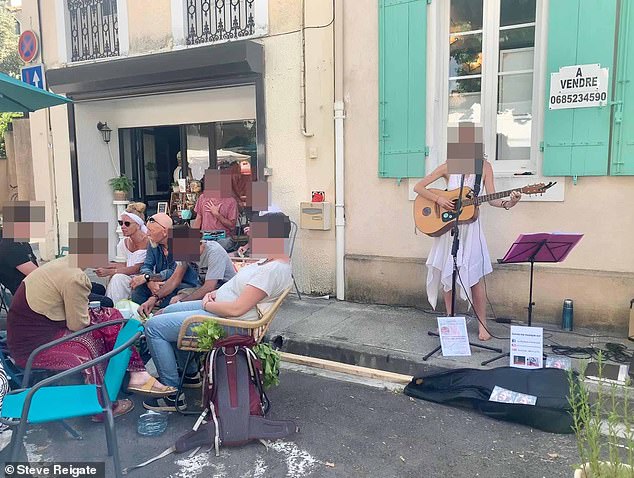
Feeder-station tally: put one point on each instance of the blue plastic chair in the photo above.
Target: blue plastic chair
(45, 403)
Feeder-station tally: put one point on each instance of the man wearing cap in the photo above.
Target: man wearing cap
(149, 288)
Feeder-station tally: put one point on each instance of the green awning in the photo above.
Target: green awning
(17, 96)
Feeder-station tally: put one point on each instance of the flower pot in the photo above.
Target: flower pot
(584, 471)
(120, 195)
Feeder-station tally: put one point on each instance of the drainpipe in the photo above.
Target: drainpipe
(49, 143)
(303, 75)
(340, 221)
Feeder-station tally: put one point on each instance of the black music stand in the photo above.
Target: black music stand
(537, 247)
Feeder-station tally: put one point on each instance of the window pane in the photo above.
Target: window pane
(514, 118)
(237, 149)
(515, 60)
(466, 15)
(465, 55)
(464, 100)
(198, 149)
(514, 12)
(517, 38)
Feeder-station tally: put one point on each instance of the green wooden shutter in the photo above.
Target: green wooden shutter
(622, 154)
(402, 57)
(576, 141)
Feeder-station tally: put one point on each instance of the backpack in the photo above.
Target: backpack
(234, 401)
(235, 404)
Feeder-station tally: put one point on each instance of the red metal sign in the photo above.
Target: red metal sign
(27, 46)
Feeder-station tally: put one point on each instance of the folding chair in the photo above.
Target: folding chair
(188, 340)
(45, 403)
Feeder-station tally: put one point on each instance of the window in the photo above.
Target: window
(491, 75)
(210, 21)
(93, 29)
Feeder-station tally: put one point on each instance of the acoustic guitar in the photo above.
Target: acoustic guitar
(434, 220)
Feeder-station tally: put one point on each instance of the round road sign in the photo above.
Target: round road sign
(27, 46)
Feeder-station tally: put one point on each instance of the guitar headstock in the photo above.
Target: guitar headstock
(539, 188)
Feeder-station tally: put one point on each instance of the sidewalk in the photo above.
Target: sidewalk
(395, 339)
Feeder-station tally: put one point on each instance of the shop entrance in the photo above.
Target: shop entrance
(156, 157)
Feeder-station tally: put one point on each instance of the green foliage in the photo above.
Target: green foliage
(10, 61)
(270, 364)
(208, 333)
(5, 120)
(603, 427)
(121, 183)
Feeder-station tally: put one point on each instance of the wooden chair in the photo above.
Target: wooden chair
(188, 340)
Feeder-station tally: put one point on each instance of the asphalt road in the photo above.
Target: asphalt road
(347, 430)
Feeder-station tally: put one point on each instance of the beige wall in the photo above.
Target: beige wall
(150, 25)
(300, 164)
(380, 235)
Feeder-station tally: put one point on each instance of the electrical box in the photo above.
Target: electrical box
(315, 215)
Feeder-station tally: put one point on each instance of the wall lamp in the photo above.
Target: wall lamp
(105, 131)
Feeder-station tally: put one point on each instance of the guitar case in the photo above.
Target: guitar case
(472, 388)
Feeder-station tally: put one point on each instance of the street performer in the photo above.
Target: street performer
(473, 256)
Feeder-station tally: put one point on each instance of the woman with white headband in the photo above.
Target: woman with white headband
(133, 247)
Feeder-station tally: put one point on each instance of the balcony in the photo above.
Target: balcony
(94, 29)
(213, 21)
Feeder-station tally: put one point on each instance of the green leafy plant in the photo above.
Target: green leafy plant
(208, 333)
(270, 364)
(603, 427)
(121, 183)
(5, 120)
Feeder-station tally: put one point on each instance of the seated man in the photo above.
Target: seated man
(219, 269)
(261, 283)
(150, 288)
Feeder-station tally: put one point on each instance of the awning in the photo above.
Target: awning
(17, 96)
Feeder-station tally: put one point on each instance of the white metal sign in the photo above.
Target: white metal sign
(578, 86)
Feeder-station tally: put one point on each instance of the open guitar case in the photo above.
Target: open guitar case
(467, 387)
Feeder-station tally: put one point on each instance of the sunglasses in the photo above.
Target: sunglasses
(124, 223)
(153, 221)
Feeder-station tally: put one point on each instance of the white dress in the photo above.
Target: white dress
(473, 255)
(119, 285)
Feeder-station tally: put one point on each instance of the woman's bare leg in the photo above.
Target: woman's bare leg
(447, 297)
(478, 295)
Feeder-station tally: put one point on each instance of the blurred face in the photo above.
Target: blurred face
(88, 243)
(262, 245)
(218, 183)
(128, 226)
(23, 220)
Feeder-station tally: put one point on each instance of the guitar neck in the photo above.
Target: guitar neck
(489, 197)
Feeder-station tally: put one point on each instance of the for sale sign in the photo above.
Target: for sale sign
(578, 86)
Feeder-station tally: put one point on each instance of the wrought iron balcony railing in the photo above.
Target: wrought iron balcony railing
(94, 29)
(211, 21)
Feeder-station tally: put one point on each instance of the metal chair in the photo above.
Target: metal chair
(293, 236)
(5, 298)
(46, 403)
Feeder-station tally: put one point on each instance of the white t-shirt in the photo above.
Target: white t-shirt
(272, 277)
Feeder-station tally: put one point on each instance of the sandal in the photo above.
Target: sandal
(120, 407)
(148, 389)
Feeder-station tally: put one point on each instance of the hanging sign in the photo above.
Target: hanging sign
(27, 46)
(578, 86)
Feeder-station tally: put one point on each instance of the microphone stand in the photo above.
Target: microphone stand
(455, 232)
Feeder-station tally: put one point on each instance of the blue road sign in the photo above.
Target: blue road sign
(33, 75)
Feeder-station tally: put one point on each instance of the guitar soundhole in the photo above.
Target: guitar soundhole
(426, 211)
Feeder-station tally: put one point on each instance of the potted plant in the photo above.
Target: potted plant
(603, 428)
(175, 187)
(121, 187)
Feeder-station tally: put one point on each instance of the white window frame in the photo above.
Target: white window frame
(489, 88)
